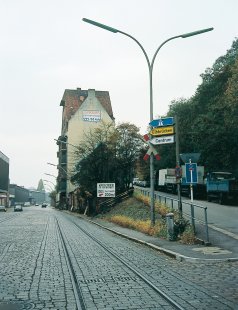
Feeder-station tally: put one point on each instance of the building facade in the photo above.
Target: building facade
(18, 194)
(37, 197)
(83, 111)
(4, 180)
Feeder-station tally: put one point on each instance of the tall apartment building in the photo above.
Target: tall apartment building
(4, 180)
(83, 111)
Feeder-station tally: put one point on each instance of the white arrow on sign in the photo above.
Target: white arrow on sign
(162, 140)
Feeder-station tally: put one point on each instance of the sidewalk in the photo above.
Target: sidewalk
(223, 247)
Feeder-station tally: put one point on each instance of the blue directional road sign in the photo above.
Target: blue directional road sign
(191, 173)
(168, 121)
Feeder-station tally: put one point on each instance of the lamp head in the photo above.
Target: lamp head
(194, 33)
(92, 22)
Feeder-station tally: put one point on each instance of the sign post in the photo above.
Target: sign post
(178, 168)
(191, 175)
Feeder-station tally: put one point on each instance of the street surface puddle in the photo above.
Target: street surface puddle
(212, 250)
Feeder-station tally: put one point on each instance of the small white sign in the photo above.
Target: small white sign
(92, 116)
(105, 189)
(162, 140)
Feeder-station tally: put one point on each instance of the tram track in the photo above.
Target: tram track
(76, 287)
(121, 261)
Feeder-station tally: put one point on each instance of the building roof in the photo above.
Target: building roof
(73, 99)
(4, 157)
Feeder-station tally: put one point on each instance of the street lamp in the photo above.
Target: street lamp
(49, 182)
(51, 175)
(48, 187)
(64, 142)
(58, 167)
(150, 67)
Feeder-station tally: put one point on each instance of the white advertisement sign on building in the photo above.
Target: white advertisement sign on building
(92, 115)
(105, 189)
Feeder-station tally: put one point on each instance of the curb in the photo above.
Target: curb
(172, 254)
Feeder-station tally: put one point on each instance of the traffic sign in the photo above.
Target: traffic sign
(162, 131)
(151, 149)
(191, 173)
(162, 140)
(105, 189)
(168, 121)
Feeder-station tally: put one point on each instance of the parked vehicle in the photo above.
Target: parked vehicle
(18, 208)
(142, 183)
(221, 186)
(167, 182)
(3, 208)
(135, 181)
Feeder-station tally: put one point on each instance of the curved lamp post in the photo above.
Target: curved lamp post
(58, 167)
(64, 142)
(150, 67)
(51, 175)
(50, 185)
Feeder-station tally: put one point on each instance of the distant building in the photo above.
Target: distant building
(18, 194)
(83, 111)
(4, 179)
(36, 196)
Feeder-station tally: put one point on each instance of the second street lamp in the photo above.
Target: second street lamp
(64, 142)
(51, 175)
(59, 167)
(49, 182)
(150, 67)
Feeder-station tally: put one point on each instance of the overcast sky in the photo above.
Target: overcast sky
(45, 48)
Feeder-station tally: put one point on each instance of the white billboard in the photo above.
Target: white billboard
(105, 189)
(92, 115)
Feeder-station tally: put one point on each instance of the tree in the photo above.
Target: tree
(93, 156)
(207, 120)
(52, 196)
(108, 154)
(128, 145)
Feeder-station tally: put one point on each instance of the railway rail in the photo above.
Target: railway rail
(138, 276)
(63, 262)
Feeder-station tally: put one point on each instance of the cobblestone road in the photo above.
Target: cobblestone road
(34, 269)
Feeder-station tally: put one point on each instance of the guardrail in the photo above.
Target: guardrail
(196, 214)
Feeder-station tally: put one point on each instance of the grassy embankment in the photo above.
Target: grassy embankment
(134, 213)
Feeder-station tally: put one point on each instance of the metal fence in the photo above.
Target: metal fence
(196, 214)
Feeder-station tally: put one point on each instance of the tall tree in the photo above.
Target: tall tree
(128, 144)
(108, 154)
(207, 121)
